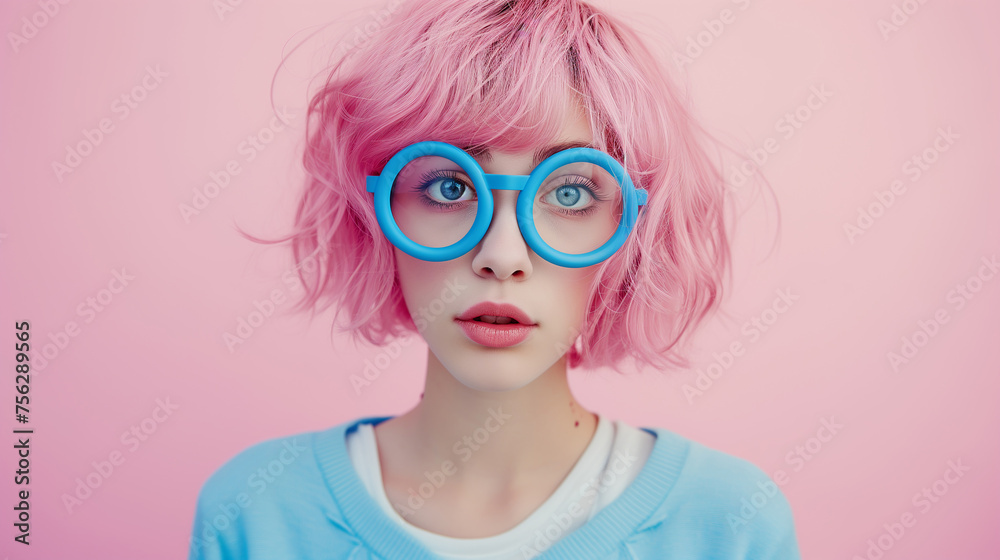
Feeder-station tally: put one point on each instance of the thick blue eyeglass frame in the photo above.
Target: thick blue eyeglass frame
(528, 185)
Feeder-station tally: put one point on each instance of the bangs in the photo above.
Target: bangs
(509, 82)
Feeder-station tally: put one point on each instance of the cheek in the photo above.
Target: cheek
(419, 281)
(410, 279)
(573, 297)
(580, 283)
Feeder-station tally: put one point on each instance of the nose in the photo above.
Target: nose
(503, 253)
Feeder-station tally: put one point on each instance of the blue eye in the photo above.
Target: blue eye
(444, 188)
(568, 195)
(574, 197)
(450, 189)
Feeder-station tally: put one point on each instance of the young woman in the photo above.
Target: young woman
(521, 184)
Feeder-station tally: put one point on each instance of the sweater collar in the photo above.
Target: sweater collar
(597, 538)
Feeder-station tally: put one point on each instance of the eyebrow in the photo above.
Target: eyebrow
(540, 154)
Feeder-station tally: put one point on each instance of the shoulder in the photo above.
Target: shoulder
(268, 491)
(280, 461)
(729, 499)
(727, 483)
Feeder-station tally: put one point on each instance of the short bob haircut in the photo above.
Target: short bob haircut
(496, 73)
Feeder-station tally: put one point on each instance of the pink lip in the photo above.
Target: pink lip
(492, 335)
(498, 310)
(495, 336)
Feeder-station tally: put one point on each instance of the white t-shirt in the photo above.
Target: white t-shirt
(613, 458)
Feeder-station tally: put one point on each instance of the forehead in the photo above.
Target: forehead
(486, 155)
(574, 132)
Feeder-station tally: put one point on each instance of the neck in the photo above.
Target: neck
(502, 436)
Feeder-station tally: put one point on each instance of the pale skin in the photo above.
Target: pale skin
(498, 485)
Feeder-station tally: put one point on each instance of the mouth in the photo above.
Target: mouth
(496, 314)
(496, 325)
(496, 320)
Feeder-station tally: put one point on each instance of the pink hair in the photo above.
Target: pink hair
(494, 73)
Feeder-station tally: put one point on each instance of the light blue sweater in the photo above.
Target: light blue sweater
(298, 497)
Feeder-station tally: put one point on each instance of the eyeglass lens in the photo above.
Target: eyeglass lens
(576, 210)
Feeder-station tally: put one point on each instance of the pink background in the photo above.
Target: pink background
(825, 356)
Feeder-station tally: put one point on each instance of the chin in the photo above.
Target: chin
(492, 384)
(494, 373)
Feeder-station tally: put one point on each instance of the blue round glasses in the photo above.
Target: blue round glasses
(434, 202)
